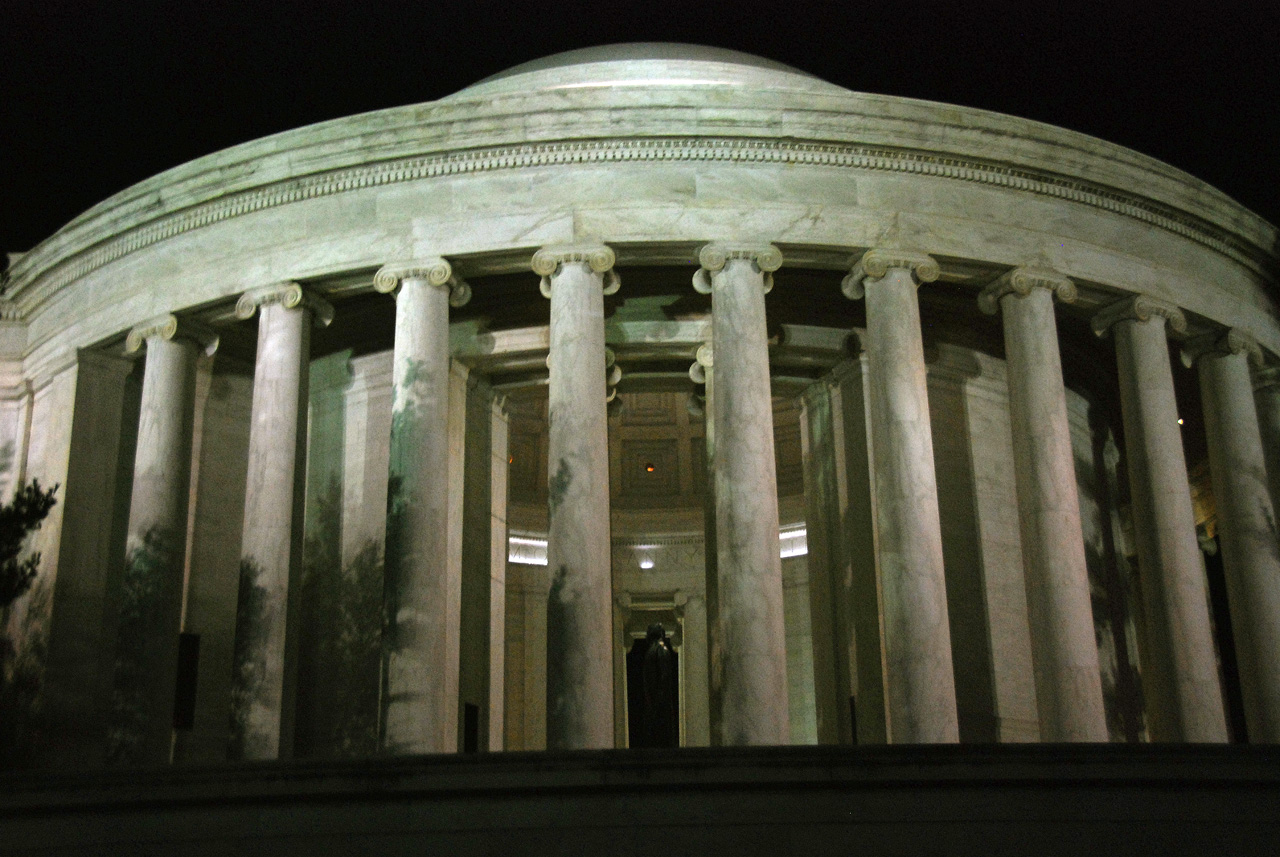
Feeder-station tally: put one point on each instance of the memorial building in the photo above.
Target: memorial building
(395, 434)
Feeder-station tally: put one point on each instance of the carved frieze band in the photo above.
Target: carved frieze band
(874, 264)
(1222, 343)
(714, 256)
(62, 271)
(287, 295)
(1021, 281)
(1139, 308)
(169, 326)
(435, 270)
(598, 257)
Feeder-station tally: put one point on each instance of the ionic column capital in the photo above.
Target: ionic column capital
(169, 326)
(714, 256)
(287, 295)
(1021, 282)
(612, 375)
(876, 263)
(703, 360)
(1268, 377)
(1138, 308)
(1232, 340)
(598, 257)
(434, 270)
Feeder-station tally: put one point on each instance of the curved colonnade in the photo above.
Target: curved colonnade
(773, 191)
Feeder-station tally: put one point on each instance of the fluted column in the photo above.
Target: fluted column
(921, 685)
(754, 707)
(419, 711)
(579, 611)
(1246, 520)
(146, 660)
(1180, 673)
(271, 548)
(1064, 649)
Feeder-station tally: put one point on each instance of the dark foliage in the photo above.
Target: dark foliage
(18, 519)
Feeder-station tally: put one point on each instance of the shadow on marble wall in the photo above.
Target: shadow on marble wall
(137, 658)
(341, 640)
(1113, 592)
(22, 661)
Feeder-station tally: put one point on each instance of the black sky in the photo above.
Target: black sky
(95, 96)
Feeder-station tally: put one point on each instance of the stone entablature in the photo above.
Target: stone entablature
(836, 142)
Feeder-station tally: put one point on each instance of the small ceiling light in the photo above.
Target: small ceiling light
(648, 468)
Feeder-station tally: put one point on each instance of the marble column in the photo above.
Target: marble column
(702, 373)
(1064, 649)
(1266, 396)
(419, 711)
(265, 666)
(1246, 520)
(579, 611)
(146, 658)
(826, 520)
(1180, 672)
(754, 709)
(920, 682)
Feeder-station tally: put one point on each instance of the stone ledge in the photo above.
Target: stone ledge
(1053, 799)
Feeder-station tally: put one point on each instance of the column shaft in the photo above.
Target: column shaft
(829, 577)
(921, 685)
(579, 610)
(1247, 532)
(1063, 645)
(418, 710)
(1266, 396)
(146, 661)
(1184, 698)
(271, 547)
(754, 689)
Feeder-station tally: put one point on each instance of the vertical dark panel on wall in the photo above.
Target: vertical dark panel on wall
(470, 728)
(1232, 697)
(476, 611)
(184, 695)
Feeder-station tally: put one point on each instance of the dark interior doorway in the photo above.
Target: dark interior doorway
(640, 732)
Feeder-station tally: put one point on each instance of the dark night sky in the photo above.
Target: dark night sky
(98, 94)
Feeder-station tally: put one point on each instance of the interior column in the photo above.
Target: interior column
(1063, 646)
(1180, 674)
(754, 707)
(264, 679)
(579, 604)
(921, 686)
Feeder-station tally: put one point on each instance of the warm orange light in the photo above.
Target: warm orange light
(511, 459)
(648, 468)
